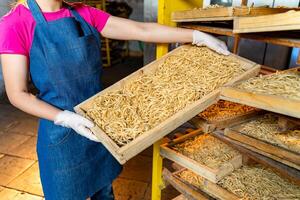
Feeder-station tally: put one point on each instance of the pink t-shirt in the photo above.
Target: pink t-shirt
(17, 26)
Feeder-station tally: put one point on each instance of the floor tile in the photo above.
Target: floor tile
(29, 181)
(26, 126)
(10, 194)
(9, 141)
(11, 167)
(6, 123)
(26, 150)
(128, 189)
(139, 168)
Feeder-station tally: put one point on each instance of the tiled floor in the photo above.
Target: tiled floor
(19, 173)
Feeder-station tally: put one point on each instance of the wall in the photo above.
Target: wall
(4, 8)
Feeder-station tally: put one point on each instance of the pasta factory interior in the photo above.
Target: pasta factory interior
(149, 100)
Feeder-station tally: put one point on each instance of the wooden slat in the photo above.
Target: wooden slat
(263, 146)
(124, 153)
(214, 175)
(203, 14)
(209, 188)
(223, 13)
(288, 172)
(184, 189)
(277, 22)
(209, 126)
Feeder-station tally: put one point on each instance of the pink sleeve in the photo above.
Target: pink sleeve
(99, 18)
(11, 40)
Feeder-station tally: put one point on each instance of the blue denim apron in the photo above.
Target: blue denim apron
(65, 66)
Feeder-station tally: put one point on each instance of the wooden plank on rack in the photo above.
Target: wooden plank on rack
(262, 146)
(277, 22)
(187, 191)
(286, 171)
(225, 13)
(124, 153)
(212, 174)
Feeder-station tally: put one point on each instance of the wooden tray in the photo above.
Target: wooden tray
(209, 188)
(214, 175)
(222, 14)
(272, 103)
(211, 125)
(124, 153)
(276, 22)
(277, 153)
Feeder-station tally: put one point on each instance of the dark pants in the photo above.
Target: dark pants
(105, 193)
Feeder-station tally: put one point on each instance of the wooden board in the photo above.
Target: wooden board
(209, 126)
(277, 22)
(272, 103)
(214, 175)
(209, 188)
(124, 153)
(278, 153)
(222, 14)
(284, 170)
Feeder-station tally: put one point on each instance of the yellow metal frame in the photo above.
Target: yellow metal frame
(165, 8)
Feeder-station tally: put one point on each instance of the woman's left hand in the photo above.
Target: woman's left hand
(203, 39)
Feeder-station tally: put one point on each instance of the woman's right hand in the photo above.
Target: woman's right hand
(78, 123)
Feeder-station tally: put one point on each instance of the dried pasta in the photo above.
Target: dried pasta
(225, 110)
(250, 183)
(145, 102)
(266, 128)
(206, 150)
(279, 84)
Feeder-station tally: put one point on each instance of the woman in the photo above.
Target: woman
(58, 45)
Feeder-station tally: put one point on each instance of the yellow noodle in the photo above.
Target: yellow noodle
(225, 110)
(279, 84)
(251, 183)
(207, 150)
(266, 128)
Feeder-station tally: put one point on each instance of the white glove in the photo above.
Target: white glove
(78, 123)
(203, 39)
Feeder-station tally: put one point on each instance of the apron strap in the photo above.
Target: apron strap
(84, 25)
(36, 12)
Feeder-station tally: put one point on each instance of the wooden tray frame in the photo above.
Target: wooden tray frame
(272, 103)
(275, 22)
(209, 188)
(124, 153)
(277, 153)
(222, 14)
(211, 125)
(214, 175)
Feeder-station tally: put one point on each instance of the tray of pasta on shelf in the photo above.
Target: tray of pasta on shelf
(223, 114)
(204, 154)
(143, 107)
(271, 135)
(278, 92)
(251, 182)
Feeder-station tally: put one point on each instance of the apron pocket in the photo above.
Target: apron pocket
(53, 135)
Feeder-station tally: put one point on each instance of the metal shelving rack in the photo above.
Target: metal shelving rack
(165, 8)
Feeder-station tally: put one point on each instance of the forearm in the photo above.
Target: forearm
(34, 106)
(157, 33)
